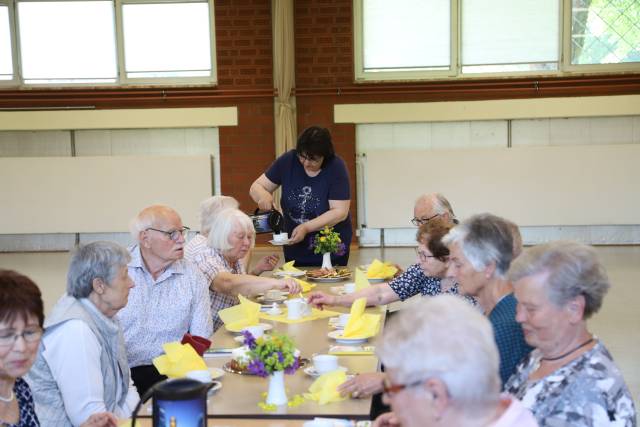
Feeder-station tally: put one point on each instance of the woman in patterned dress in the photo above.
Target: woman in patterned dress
(21, 320)
(570, 379)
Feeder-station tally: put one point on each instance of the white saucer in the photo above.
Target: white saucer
(216, 373)
(279, 242)
(281, 273)
(217, 385)
(263, 298)
(338, 290)
(337, 335)
(311, 370)
(265, 326)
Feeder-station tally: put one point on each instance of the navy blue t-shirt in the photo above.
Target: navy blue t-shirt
(305, 197)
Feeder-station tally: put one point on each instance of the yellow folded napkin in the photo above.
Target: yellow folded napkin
(306, 286)
(381, 270)
(361, 324)
(240, 316)
(178, 360)
(288, 266)
(325, 389)
(361, 280)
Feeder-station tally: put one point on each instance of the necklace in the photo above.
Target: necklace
(8, 399)
(562, 356)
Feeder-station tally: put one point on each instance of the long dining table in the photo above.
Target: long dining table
(240, 394)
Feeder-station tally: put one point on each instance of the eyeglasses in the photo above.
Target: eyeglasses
(423, 256)
(419, 221)
(391, 389)
(9, 337)
(173, 235)
(308, 158)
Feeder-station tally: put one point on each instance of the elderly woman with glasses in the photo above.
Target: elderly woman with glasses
(315, 193)
(21, 319)
(570, 378)
(81, 368)
(442, 367)
(231, 236)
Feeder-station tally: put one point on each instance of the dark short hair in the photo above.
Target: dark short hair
(316, 141)
(431, 234)
(19, 296)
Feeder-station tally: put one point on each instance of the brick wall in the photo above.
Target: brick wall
(244, 56)
(324, 60)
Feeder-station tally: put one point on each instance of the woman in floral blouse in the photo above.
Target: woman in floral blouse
(570, 378)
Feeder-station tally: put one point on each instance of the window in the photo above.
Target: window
(605, 31)
(427, 39)
(175, 43)
(522, 36)
(114, 42)
(6, 62)
(58, 47)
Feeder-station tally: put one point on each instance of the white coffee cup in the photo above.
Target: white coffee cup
(349, 288)
(257, 330)
(204, 376)
(324, 363)
(343, 319)
(280, 237)
(295, 308)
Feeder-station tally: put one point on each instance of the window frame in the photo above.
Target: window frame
(13, 34)
(455, 72)
(121, 76)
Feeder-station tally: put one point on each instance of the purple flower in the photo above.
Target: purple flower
(249, 340)
(256, 367)
(342, 249)
(294, 367)
(280, 357)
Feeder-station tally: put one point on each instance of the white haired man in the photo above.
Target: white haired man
(442, 368)
(481, 250)
(171, 295)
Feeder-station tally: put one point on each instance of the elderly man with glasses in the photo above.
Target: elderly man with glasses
(170, 297)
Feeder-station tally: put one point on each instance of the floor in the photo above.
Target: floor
(617, 324)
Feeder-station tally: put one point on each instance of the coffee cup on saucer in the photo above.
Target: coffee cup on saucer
(343, 319)
(257, 330)
(324, 363)
(280, 237)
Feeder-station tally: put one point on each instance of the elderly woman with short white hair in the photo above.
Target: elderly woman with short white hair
(231, 237)
(81, 368)
(570, 378)
(442, 367)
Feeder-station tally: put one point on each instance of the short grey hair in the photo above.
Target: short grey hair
(444, 337)
(484, 238)
(96, 260)
(439, 204)
(573, 269)
(148, 217)
(222, 226)
(210, 207)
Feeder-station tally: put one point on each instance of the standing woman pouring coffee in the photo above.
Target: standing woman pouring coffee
(315, 194)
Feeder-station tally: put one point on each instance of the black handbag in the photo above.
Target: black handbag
(267, 222)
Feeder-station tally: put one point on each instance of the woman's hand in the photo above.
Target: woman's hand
(290, 285)
(101, 419)
(267, 263)
(320, 299)
(298, 234)
(388, 419)
(363, 385)
(266, 202)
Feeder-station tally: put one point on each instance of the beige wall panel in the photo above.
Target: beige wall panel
(533, 186)
(589, 106)
(119, 119)
(97, 194)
